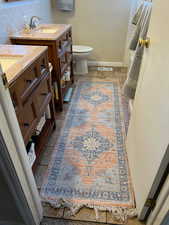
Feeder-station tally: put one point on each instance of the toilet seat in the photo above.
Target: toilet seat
(81, 49)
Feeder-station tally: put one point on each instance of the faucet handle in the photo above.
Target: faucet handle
(34, 21)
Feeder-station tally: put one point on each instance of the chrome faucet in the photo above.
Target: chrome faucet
(32, 23)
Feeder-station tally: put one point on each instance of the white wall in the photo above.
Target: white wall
(100, 24)
(103, 25)
(12, 13)
(161, 208)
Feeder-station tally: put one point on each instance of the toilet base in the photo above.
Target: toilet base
(81, 66)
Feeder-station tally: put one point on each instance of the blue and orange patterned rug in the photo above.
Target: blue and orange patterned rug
(89, 166)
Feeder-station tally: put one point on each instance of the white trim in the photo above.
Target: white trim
(16, 148)
(102, 63)
(161, 207)
(131, 105)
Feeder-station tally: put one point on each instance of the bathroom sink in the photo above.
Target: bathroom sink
(8, 61)
(48, 30)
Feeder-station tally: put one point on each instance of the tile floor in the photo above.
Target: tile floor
(48, 221)
(85, 216)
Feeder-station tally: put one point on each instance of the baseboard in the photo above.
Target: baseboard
(100, 63)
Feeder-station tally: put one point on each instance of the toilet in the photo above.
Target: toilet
(80, 55)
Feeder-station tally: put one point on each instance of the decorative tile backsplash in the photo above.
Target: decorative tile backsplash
(12, 15)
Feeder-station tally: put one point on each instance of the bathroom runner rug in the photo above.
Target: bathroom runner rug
(89, 165)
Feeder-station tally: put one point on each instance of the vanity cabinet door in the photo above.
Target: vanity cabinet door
(26, 112)
(34, 107)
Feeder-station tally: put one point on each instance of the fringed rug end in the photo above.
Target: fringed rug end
(119, 214)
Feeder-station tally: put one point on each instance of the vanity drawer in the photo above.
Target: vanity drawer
(33, 109)
(26, 83)
(29, 112)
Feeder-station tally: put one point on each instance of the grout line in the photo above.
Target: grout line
(64, 211)
(106, 216)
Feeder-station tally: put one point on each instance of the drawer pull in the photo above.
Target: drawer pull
(43, 67)
(29, 81)
(26, 124)
(44, 94)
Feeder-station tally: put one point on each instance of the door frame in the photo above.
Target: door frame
(160, 213)
(156, 188)
(8, 170)
(13, 139)
(165, 220)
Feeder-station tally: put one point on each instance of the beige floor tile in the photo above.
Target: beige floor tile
(39, 175)
(56, 133)
(46, 156)
(52, 221)
(109, 219)
(124, 69)
(49, 211)
(133, 221)
(54, 137)
(86, 214)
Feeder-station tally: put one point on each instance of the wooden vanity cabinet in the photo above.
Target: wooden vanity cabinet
(31, 93)
(60, 55)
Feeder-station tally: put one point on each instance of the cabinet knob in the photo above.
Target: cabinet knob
(26, 124)
(43, 94)
(28, 81)
(145, 43)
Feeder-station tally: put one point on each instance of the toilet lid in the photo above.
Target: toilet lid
(81, 48)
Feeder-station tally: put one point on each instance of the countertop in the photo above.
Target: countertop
(26, 55)
(35, 34)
